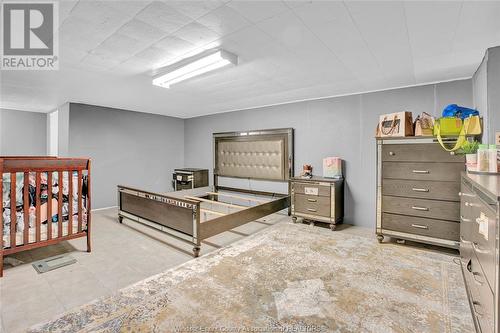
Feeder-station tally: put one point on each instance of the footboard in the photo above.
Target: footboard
(177, 217)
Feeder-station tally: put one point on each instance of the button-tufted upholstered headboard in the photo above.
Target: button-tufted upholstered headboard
(262, 154)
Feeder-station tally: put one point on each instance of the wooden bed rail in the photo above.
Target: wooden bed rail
(16, 167)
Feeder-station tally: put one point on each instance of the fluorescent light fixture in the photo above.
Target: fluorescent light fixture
(194, 66)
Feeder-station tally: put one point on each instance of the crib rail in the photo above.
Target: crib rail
(38, 166)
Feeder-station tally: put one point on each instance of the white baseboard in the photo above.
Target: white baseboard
(98, 209)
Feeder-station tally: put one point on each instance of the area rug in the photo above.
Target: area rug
(289, 278)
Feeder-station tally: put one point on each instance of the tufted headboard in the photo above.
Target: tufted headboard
(261, 154)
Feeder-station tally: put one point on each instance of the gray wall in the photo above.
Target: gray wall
(23, 133)
(493, 92)
(126, 148)
(342, 126)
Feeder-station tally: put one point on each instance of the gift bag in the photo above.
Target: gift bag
(399, 124)
(424, 125)
(332, 167)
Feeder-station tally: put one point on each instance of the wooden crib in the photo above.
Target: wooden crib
(36, 172)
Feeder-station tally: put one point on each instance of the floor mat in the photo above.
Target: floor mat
(289, 278)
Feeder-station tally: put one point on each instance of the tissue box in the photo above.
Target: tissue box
(332, 167)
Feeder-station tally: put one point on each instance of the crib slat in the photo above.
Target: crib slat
(60, 182)
(49, 205)
(26, 208)
(70, 202)
(13, 216)
(80, 195)
(38, 204)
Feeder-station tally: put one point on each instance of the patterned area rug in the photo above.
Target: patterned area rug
(289, 278)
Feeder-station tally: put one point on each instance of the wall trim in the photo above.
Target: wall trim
(103, 208)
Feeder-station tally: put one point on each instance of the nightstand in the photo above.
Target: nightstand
(317, 199)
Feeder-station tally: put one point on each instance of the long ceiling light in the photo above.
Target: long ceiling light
(194, 66)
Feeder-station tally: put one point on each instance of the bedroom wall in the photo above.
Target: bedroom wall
(340, 126)
(493, 92)
(22, 133)
(127, 148)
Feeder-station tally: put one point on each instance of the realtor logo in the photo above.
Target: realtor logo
(29, 36)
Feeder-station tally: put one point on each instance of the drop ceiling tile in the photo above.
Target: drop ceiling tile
(175, 45)
(155, 56)
(321, 11)
(102, 19)
(141, 31)
(119, 47)
(433, 37)
(65, 8)
(194, 9)
(257, 11)
(128, 7)
(166, 18)
(479, 25)
(197, 34)
(224, 20)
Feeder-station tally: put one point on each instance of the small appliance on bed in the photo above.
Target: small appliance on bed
(197, 214)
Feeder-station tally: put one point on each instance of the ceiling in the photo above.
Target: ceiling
(288, 51)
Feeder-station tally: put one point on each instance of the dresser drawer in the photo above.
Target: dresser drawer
(421, 226)
(313, 205)
(422, 171)
(483, 301)
(421, 152)
(483, 236)
(311, 189)
(444, 210)
(421, 189)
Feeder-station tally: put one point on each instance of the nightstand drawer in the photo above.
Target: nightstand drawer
(311, 189)
(313, 205)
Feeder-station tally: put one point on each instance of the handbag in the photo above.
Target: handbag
(424, 125)
(470, 126)
(398, 124)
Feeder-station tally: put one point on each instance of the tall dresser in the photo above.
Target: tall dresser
(479, 248)
(417, 191)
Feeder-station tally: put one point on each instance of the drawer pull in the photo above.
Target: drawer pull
(462, 194)
(419, 226)
(311, 210)
(476, 304)
(416, 189)
(420, 208)
(463, 219)
(420, 171)
(312, 200)
(392, 153)
(476, 276)
(478, 249)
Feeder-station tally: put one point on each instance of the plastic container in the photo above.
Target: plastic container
(492, 158)
(483, 163)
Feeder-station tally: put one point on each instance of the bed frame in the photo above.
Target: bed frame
(13, 165)
(262, 155)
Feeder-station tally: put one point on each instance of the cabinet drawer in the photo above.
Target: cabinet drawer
(421, 152)
(311, 189)
(421, 189)
(444, 210)
(483, 303)
(422, 171)
(421, 226)
(483, 232)
(313, 205)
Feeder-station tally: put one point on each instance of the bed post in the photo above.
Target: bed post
(1, 217)
(197, 245)
(89, 207)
